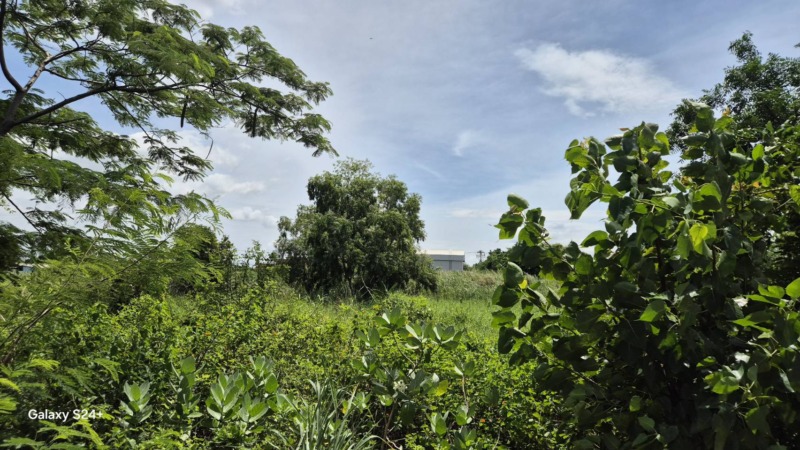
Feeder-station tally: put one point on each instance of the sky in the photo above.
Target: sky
(467, 101)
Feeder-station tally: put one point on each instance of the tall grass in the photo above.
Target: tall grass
(467, 285)
(464, 299)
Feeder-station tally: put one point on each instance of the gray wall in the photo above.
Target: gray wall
(447, 264)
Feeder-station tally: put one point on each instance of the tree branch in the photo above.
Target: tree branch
(89, 93)
(6, 72)
(22, 212)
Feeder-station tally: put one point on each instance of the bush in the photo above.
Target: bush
(669, 334)
(415, 308)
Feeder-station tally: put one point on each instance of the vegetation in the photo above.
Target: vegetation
(146, 61)
(359, 236)
(676, 326)
(670, 334)
(495, 260)
(761, 93)
(176, 372)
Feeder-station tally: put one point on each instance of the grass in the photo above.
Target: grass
(462, 299)
(465, 299)
(467, 285)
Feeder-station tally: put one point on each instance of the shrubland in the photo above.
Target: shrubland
(675, 326)
(400, 370)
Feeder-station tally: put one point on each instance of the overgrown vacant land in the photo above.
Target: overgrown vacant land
(154, 370)
(137, 324)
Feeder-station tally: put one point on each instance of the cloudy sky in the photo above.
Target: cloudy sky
(466, 100)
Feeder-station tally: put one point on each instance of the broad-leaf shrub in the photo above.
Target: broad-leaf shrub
(399, 367)
(666, 333)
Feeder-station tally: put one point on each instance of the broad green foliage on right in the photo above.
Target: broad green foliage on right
(666, 333)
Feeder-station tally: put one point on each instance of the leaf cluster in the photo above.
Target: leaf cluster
(669, 333)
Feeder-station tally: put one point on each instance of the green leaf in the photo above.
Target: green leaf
(757, 419)
(271, 384)
(508, 225)
(5, 382)
(441, 388)
(635, 403)
(517, 203)
(762, 299)
(579, 158)
(707, 198)
(793, 289)
(505, 297)
(595, 238)
(724, 381)
(438, 424)
(513, 276)
(698, 233)
(704, 120)
(503, 317)
(758, 152)
(684, 244)
(647, 423)
(775, 292)
(752, 320)
(187, 365)
(583, 444)
(584, 265)
(508, 337)
(794, 193)
(786, 382)
(653, 310)
(671, 201)
(19, 442)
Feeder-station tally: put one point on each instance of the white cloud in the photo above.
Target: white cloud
(221, 157)
(225, 184)
(599, 80)
(466, 139)
(250, 214)
(218, 184)
(427, 169)
(208, 8)
(493, 214)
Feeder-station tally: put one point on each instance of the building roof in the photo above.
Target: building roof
(443, 252)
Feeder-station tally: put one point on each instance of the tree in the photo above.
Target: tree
(495, 260)
(102, 208)
(669, 334)
(756, 92)
(10, 252)
(759, 92)
(195, 248)
(147, 61)
(519, 252)
(360, 234)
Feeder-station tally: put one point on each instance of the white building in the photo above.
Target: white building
(450, 260)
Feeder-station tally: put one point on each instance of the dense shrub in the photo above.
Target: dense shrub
(669, 334)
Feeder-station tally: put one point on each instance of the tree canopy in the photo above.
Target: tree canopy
(360, 233)
(757, 91)
(760, 92)
(156, 67)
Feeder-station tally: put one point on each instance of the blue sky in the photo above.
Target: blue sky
(467, 101)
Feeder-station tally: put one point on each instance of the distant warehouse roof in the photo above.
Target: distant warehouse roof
(450, 260)
(443, 252)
